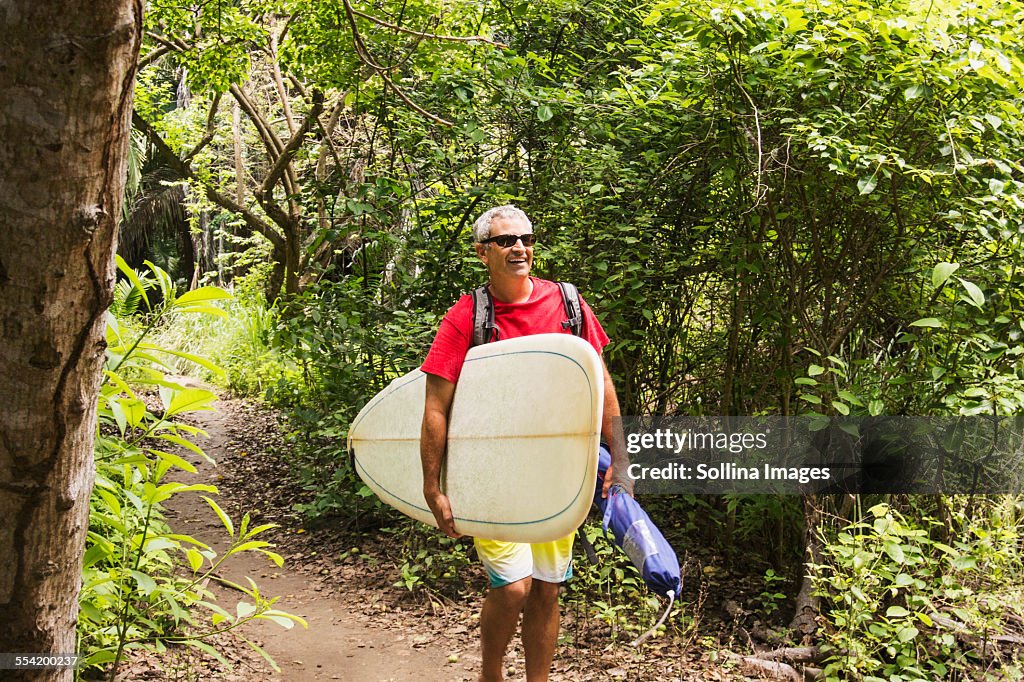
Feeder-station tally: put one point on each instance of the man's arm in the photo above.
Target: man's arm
(433, 444)
(611, 430)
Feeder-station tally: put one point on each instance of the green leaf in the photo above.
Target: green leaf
(133, 277)
(841, 408)
(896, 612)
(914, 91)
(95, 553)
(120, 383)
(197, 359)
(224, 519)
(274, 557)
(160, 543)
(200, 295)
(867, 185)
(812, 399)
(851, 429)
(189, 539)
(903, 580)
(174, 460)
(850, 398)
(211, 650)
(285, 620)
(203, 309)
(187, 444)
(895, 551)
(146, 584)
(928, 322)
(267, 657)
(190, 400)
(815, 370)
(134, 411)
(118, 412)
(906, 634)
(251, 545)
(544, 113)
(244, 609)
(977, 298)
(941, 272)
(195, 559)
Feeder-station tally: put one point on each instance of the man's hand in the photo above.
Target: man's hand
(611, 431)
(442, 509)
(610, 479)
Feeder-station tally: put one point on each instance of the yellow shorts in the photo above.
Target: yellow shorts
(507, 562)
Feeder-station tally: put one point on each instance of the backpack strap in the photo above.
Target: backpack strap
(484, 328)
(573, 310)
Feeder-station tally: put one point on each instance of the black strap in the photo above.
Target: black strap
(484, 328)
(573, 310)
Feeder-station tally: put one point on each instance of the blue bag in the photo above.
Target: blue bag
(637, 535)
(640, 539)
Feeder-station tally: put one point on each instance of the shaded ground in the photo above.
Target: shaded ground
(362, 627)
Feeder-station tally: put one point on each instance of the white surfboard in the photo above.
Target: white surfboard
(523, 437)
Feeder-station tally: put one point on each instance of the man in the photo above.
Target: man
(524, 578)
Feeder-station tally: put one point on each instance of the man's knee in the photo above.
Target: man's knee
(544, 592)
(513, 595)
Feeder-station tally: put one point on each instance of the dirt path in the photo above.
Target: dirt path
(362, 627)
(341, 643)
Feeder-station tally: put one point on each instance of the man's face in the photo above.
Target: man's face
(513, 261)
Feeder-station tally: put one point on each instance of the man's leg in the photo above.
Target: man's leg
(498, 620)
(508, 565)
(552, 565)
(540, 629)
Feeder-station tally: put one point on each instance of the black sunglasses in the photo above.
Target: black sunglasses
(509, 240)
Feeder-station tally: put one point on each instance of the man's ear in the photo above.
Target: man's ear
(481, 251)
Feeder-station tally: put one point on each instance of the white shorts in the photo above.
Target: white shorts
(508, 562)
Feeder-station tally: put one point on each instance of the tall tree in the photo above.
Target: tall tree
(67, 71)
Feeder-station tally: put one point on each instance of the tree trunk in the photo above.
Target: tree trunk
(66, 73)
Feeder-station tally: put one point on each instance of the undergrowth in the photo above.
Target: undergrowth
(143, 584)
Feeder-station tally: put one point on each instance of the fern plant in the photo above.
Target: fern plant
(143, 585)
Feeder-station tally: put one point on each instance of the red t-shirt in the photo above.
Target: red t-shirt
(543, 313)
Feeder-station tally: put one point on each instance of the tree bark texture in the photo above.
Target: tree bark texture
(66, 73)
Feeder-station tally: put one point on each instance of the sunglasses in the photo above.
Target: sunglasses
(506, 241)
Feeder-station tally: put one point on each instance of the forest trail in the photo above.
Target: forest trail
(362, 626)
(342, 641)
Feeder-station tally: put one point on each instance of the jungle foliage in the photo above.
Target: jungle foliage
(775, 207)
(143, 583)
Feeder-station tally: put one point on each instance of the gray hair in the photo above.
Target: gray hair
(482, 226)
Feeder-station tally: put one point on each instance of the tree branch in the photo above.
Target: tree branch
(279, 84)
(270, 139)
(293, 146)
(364, 56)
(433, 36)
(153, 55)
(210, 130)
(185, 171)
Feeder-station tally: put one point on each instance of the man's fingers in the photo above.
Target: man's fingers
(442, 510)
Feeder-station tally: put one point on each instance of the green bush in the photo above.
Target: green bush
(143, 585)
(902, 606)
